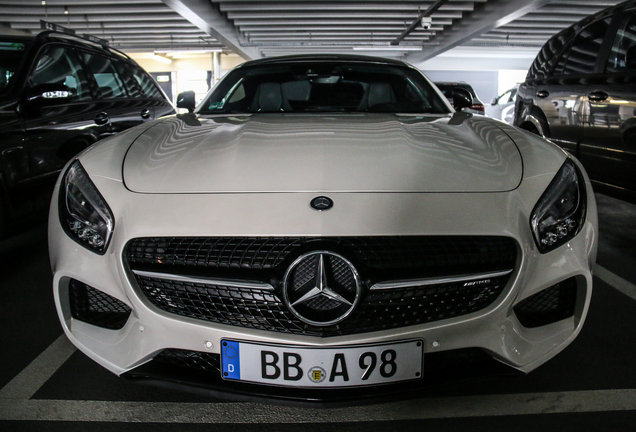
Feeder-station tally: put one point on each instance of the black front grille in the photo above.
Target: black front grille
(95, 307)
(264, 310)
(395, 308)
(429, 255)
(377, 259)
(549, 305)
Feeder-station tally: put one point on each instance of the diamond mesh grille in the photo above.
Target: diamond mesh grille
(376, 259)
(95, 307)
(456, 255)
(378, 310)
(549, 305)
(191, 359)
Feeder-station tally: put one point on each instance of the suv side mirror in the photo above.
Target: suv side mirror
(630, 57)
(494, 101)
(49, 94)
(186, 100)
(461, 99)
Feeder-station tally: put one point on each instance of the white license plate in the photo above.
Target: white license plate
(299, 366)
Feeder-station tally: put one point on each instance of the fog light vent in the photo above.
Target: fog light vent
(95, 307)
(549, 305)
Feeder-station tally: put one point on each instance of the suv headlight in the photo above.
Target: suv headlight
(560, 213)
(84, 214)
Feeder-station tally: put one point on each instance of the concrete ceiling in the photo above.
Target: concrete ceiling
(264, 28)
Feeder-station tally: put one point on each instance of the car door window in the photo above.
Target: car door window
(624, 41)
(110, 83)
(585, 49)
(132, 86)
(504, 98)
(60, 65)
(11, 56)
(147, 85)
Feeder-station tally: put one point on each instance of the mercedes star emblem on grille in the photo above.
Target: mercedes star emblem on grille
(321, 203)
(321, 288)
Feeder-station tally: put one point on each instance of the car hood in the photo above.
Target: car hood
(323, 153)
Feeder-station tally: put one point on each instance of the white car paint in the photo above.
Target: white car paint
(254, 175)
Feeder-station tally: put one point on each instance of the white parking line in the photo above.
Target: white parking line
(26, 383)
(616, 281)
(416, 409)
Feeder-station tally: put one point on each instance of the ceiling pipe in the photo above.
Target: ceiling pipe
(428, 12)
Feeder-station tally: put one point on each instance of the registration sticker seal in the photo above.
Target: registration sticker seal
(317, 374)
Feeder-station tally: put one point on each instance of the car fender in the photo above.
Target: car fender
(533, 120)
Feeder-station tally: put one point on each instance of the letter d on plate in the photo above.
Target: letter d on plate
(231, 360)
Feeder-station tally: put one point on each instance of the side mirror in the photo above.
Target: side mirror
(630, 57)
(461, 99)
(494, 101)
(186, 100)
(49, 94)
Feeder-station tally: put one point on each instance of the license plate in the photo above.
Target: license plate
(299, 366)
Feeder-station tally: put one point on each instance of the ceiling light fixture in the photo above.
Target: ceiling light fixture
(388, 48)
(187, 51)
(161, 58)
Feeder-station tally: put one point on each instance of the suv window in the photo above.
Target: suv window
(60, 65)
(110, 83)
(145, 82)
(542, 65)
(625, 39)
(585, 49)
(132, 87)
(11, 54)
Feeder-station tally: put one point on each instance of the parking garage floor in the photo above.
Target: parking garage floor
(47, 385)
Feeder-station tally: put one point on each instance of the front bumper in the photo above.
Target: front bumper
(149, 331)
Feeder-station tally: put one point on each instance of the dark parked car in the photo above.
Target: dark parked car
(454, 90)
(59, 94)
(580, 93)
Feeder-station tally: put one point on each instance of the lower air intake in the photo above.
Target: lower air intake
(95, 307)
(549, 305)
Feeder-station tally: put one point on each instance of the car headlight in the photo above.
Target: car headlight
(84, 214)
(560, 213)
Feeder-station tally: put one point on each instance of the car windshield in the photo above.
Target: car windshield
(448, 89)
(11, 54)
(323, 87)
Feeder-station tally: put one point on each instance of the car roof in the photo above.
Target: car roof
(25, 38)
(50, 36)
(324, 58)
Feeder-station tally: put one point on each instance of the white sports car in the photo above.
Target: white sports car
(321, 228)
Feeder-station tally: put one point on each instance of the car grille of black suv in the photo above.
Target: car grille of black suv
(459, 276)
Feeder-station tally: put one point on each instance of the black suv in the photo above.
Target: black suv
(59, 94)
(580, 93)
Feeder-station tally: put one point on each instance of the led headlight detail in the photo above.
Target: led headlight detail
(560, 213)
(84, 214)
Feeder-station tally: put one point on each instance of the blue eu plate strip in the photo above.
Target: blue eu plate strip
(230, 359)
